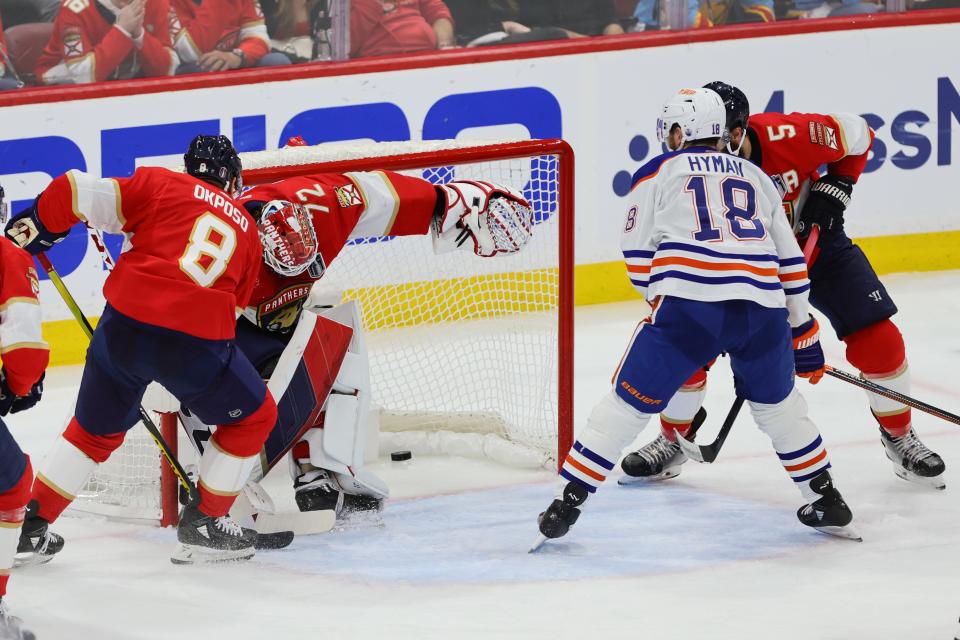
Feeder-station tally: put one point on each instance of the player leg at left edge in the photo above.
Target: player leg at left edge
(16, 476)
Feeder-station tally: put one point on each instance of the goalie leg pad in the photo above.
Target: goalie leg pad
(612, 425)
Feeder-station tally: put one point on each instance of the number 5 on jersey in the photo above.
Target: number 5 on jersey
(212, 243)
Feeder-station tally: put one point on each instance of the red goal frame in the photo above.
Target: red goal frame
(169, 485)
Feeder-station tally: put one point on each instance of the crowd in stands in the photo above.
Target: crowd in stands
(55, 42)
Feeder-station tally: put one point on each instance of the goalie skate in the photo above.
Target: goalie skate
(37, 543)
(829, 514)
(205, 539)
(913, 461)
(660, 459)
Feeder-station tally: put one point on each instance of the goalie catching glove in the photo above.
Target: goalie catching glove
(484, 217)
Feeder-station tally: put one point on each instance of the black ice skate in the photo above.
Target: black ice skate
(37, 543)
(828, 514)
(561, 514)
(10, 626)
(318, 490)
(206, 539)
(659, 459)
(912, 460)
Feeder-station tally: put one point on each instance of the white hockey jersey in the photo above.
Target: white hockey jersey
(709, 226)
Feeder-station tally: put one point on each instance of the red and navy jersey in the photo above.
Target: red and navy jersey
(794, 146)
(88, 46)
(191, 253)
(219, 25)
(25, 354)
(343, 207)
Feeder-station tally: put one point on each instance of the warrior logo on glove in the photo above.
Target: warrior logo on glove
(288, 237)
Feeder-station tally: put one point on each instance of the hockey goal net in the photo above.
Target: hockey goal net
(468, 356)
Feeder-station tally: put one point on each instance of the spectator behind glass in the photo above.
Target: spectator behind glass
(217, 35)
(386, 27)
(288, 18)
(704, 13)
(481, 22)
(7, 81)
(26, 11)
(577, 17)
(96, 40)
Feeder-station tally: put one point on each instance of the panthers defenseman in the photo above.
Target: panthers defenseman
(25, 357)
(705, 241)
(304, 223)
(194, 251)
(843, 285)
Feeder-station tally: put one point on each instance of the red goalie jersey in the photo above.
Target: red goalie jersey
(794, 146)
(343, 207)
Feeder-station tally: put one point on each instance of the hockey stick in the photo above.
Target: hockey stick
(151, 428)
(709, 452)
(811, 244)
(880, 390)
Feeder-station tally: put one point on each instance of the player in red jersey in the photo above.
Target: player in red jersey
(843, 285)
(96, 40)
(25, 357)
(188, 264)
(217, 35)
(305, 223)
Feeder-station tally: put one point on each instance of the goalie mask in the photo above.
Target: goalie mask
(288, 237)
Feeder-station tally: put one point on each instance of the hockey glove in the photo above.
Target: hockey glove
(483, 217)
(828, 199)
(10, 402)
(29, 233)
(807, 352)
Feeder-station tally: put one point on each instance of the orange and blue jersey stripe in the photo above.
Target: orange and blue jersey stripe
(585, 467)
(807, 462)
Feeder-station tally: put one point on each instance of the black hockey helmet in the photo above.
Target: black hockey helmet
(215, 159)
(735, 102)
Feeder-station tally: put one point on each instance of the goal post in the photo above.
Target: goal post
(481, 348)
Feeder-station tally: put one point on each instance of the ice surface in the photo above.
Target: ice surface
(714, 554)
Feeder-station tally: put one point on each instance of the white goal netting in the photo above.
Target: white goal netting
(464, 351)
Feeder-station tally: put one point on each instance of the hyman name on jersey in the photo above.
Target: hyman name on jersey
(720, 163)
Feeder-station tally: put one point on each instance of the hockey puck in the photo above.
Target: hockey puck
(400, 456)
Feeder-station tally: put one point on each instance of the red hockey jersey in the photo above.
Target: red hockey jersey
(221, 25)
(24, 353)
(794, 146)
(343, 207)
(87, 45)
(191, 255)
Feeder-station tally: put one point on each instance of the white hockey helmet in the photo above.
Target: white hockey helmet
(289, 240)
(699, 113)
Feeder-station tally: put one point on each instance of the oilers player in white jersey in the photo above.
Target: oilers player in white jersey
(706, 242)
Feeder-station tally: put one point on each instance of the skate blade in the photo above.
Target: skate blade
(31, 559)
(628, 480)
(537, 543)
(848, 532)
(304, 523)
(936, 482)
(192, 554)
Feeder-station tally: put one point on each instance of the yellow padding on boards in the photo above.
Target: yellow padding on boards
(469, 298)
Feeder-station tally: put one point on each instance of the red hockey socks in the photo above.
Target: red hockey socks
(13, 504)
(880, 355)
(233, 452)
(73, 458)
(683, 406)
